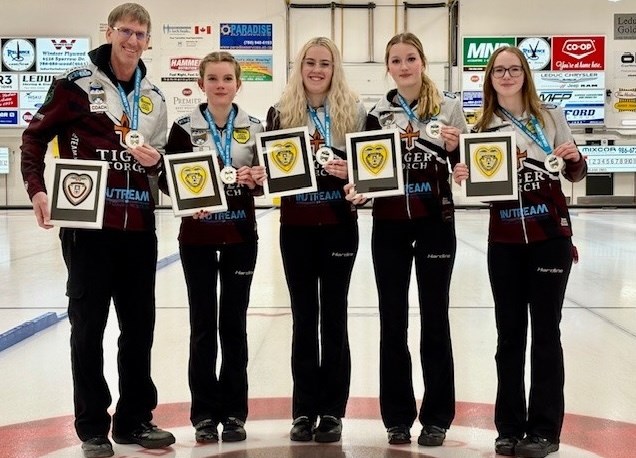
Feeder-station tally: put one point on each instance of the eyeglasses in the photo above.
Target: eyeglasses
(126, 32)
(515, 71)
(323, 64)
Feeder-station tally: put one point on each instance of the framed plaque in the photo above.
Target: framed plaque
(194, 183)
(287, 158)
(491, 158)
(374, 162)
(78, 193)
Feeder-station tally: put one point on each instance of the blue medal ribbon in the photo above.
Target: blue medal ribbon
(134, 113)
(224, 150)
(537, 136)
(324, 129)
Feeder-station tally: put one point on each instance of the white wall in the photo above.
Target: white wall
(350, 32)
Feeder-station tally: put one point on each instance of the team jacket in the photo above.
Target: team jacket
(238, 223)
(425, 162)
(84, 110)
(541, 211)
(327, 205)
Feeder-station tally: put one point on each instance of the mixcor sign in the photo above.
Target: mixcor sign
(578, 53)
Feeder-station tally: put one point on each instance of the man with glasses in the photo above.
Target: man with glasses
(108, 111)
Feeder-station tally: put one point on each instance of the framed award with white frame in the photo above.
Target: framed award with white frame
(194, 183)
(78, 194)
(491, 158)
(374, 162)
(287, 157)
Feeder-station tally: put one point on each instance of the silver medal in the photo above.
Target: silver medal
(228, 175)
(554, 163)
(324, 155)
(134, 138)
(434, 129)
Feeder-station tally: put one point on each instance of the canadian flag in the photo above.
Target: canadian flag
(199, 29)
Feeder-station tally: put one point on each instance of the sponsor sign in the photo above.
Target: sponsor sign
(609, 158)
(578, 53)
(180, 68)
(473, 81)
(57, 55)
(584, 113)
(4, 160)
(35, 81)
(624, 99)
(625, 59)
(537, 51)
(472, 99)
(624, 26)
(8, 82)
(256, 67)
(477, 50)
(246, 36)
(32, 99)
(567, 96)
(18, 54)
(569, 80)
(8, 118)
(8, 100)
(195, 38)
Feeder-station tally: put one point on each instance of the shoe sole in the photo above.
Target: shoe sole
(297, 438)
(399, 441)
(505, 451)
(430, 442)
(327, 437)
(233, 438)
(105, 453)
(160, 443)
(535, 454)
(211, 440)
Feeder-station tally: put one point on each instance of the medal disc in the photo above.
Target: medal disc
(434, 129)
(554, 163)
(133, 139)
(324, 155)
(228, 175)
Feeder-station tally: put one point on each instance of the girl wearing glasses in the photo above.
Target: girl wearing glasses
(530, 254)
(219, 247)
(319, 240)
(419, 228)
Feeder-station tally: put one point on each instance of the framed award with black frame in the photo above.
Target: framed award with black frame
(194, 183)
(374, 162)
(491, 158)
(78, 193)
(287, 158)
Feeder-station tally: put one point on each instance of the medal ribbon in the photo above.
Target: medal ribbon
(324, 129)
(134, 113)
(224, 150)
(539, 137)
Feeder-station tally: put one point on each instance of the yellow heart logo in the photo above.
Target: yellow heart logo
(194, 177)
(488, 159)
(374, 157)
(284, 155)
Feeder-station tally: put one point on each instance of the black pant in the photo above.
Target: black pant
(318, 261)
(101, 265)
(432, 244)
(530, 276)
(217, 398)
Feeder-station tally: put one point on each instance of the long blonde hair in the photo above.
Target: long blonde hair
(531, 101)
(429, 100)
(341, 100)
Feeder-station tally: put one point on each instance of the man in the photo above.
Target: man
(108, 111)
